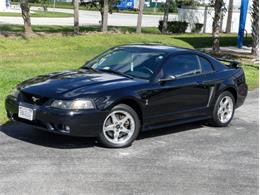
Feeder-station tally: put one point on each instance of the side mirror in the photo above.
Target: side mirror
(167, 78)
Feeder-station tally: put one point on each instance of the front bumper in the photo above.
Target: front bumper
(84, 123)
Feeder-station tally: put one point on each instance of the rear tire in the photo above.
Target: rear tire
(120, 127)
(224, 109)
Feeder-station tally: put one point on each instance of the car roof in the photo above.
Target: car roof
(155, 47)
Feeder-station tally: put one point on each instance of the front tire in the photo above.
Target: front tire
(120, 127)
(223, 110)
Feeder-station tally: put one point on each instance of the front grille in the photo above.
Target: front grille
(33, 99)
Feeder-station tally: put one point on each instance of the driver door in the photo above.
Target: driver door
(181, 97)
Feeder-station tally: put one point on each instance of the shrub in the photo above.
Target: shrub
(174, 26)
(197, 28)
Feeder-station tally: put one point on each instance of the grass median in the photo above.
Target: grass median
(22, 59)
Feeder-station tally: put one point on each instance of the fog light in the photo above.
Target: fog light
(67, 128)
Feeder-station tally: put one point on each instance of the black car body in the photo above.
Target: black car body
(160, 100)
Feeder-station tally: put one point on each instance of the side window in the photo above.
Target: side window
(182, 65)
(205, 65)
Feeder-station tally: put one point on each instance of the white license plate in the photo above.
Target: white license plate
(25, 113)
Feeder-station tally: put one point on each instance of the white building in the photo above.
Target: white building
(205, 16)
(5, 5)
(2, 5)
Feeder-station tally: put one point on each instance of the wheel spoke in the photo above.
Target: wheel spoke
(116, 136)
(124, 120)
(114, 118)
(220, 110)
(124, 130)
(222, 104)
(109, 128)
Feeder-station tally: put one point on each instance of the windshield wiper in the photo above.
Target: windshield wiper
(116, 72)
(88, 68)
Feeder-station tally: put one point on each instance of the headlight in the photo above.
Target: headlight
(15, 93)
(73, 105)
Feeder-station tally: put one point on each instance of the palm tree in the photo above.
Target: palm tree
(229, 17)
(218, 4)
(76, 16)
(166, 16)
(26, 17)
(140, 16)
(105, 15)
(255, 27)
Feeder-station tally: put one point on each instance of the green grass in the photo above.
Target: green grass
(196, 40)
(67, 29)
(39, 14)
(205, 40)
(21, 59)
(252, 76)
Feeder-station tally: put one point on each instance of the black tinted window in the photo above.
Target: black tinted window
(205, 65)
(182, 65)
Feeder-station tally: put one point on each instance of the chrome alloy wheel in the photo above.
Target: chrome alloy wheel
(225, 109)
(118, 127)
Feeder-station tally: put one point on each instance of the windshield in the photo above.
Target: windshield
(139, 64)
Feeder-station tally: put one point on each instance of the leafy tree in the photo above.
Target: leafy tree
(172, 7)
(140, 16)
(218, 6)
(229, 18)
(24, 4)
(76, 16)
(166, 15)
(192, 3)
(104, 7)
(42, 2)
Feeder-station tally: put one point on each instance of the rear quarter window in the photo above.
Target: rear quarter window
(206, 66)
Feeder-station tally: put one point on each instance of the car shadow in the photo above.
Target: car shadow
(171, 130)
(31, 135)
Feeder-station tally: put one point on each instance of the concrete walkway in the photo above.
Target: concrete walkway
(88, 18)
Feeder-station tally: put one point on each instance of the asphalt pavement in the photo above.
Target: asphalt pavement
(186, 159)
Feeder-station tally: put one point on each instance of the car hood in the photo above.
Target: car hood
(58, 84)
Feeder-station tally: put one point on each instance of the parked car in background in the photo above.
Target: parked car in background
(129, 89)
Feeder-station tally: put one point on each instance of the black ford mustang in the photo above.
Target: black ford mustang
(129, 89)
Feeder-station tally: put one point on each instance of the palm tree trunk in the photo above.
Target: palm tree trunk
(105, 16)
(229, 17)
(26, 17)
(166, 16)
(216, 25)
(255, 27)
(140, 16)
(76, 16)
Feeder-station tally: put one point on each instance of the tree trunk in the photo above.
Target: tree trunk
(76, 16)
(216, 25)
(205, 19)
(26, 17)
(255, 28)
(105, 16)
(229, 17)
(140, 16)
(166, 16)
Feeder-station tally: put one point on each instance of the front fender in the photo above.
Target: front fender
(107, 102)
